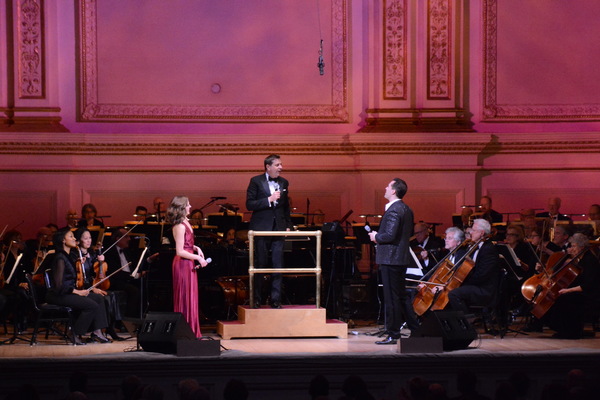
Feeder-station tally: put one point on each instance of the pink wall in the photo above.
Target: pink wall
(132, 87)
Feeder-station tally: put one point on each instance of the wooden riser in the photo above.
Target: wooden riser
(288, 321)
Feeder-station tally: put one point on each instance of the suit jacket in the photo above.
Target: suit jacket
(395, 230)
(486, 272)
(560, 217)
(266, 217)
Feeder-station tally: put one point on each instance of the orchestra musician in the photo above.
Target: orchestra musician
(553, 212)
(120, 255)
(141, 213)
(454, 237)
(426, 247)
(160, 210)
(560, 241)
(480, 286)
(91, 313)
(15, 291)
(489, 214)
(392, 256)
(91, 262)
(88, 216)
(72, 219)
(567, 315)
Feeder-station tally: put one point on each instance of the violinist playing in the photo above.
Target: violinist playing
(479, 287)
(91, 316)
(426, 246)
(582, 298)
(95, 269)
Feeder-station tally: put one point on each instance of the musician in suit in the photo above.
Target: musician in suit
(481, 284)
(553, 212)
(268, 198)
(392, 256)
(426, 247)
(485, 206)
(120, 255)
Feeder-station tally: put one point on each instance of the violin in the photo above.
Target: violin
(80, 268)
(100, 268)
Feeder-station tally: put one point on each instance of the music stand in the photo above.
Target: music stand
(513, 264)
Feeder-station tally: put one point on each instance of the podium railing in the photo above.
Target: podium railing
(293, 270)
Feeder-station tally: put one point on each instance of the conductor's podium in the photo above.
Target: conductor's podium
(287, 321)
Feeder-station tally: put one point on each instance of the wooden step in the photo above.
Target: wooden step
(287, 321)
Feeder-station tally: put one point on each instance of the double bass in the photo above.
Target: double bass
(445, 276)
(542, 290)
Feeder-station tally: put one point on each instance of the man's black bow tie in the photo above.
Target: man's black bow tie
(273, 179)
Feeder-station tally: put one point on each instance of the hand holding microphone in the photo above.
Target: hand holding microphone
(198, 266)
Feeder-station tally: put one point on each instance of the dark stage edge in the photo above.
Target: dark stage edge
(269, 376)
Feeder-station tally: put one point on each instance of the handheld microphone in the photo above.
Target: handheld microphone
(208, 261)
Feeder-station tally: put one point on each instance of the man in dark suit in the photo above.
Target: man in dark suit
(426, 247)
(393, 257)
(267, 198)
(489, 214)
(481, 284)
(553, 212)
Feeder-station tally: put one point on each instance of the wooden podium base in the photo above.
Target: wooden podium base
(288, 321)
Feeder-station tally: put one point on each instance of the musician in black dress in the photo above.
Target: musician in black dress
(88, 306)
(582, 298)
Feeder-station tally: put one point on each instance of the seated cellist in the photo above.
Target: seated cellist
(479, 287)
(567, 315)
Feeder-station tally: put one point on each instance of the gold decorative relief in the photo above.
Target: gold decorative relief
(30, 49)
(394, 46)
(439, 31)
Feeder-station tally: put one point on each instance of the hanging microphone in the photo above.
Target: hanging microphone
(321, 63)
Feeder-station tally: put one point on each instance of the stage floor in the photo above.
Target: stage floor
(274, 366)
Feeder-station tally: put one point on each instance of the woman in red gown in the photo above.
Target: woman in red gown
(185, 280)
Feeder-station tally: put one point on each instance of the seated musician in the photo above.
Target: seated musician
(426, 247)
(91, 262)
(560, 240)
(553, 212)
(141, 213)
(454, 237)
(119, 256)
(515, 239)
(88, 216)
(15, 291)
(489, 214)
(567, 315)
(481, 284)
(91, 315)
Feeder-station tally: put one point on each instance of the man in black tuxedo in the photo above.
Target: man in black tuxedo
(489, 214)
(393, 257)
(426, 247)
(481, 284)
(553, 212)
(268, 199)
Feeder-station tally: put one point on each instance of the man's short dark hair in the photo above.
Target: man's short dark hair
(399, 187)
(270, 159)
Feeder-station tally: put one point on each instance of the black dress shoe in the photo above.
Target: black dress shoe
(276, 304)
(387, 340)
(99, 339)
(113, 334)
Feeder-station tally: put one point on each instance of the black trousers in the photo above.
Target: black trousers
(263, 246)
(398, 308)
(90, 309)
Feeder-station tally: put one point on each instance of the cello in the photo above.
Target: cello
(445, 276)
(542, 290)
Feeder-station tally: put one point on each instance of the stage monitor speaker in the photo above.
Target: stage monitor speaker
(168, 332)
(452, 326)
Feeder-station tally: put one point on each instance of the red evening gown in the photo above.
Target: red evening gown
(185, 285)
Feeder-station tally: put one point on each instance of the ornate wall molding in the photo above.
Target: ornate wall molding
(30, 49)
(439, 51)
(93, 109)
(494, 111)
(394, 49)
